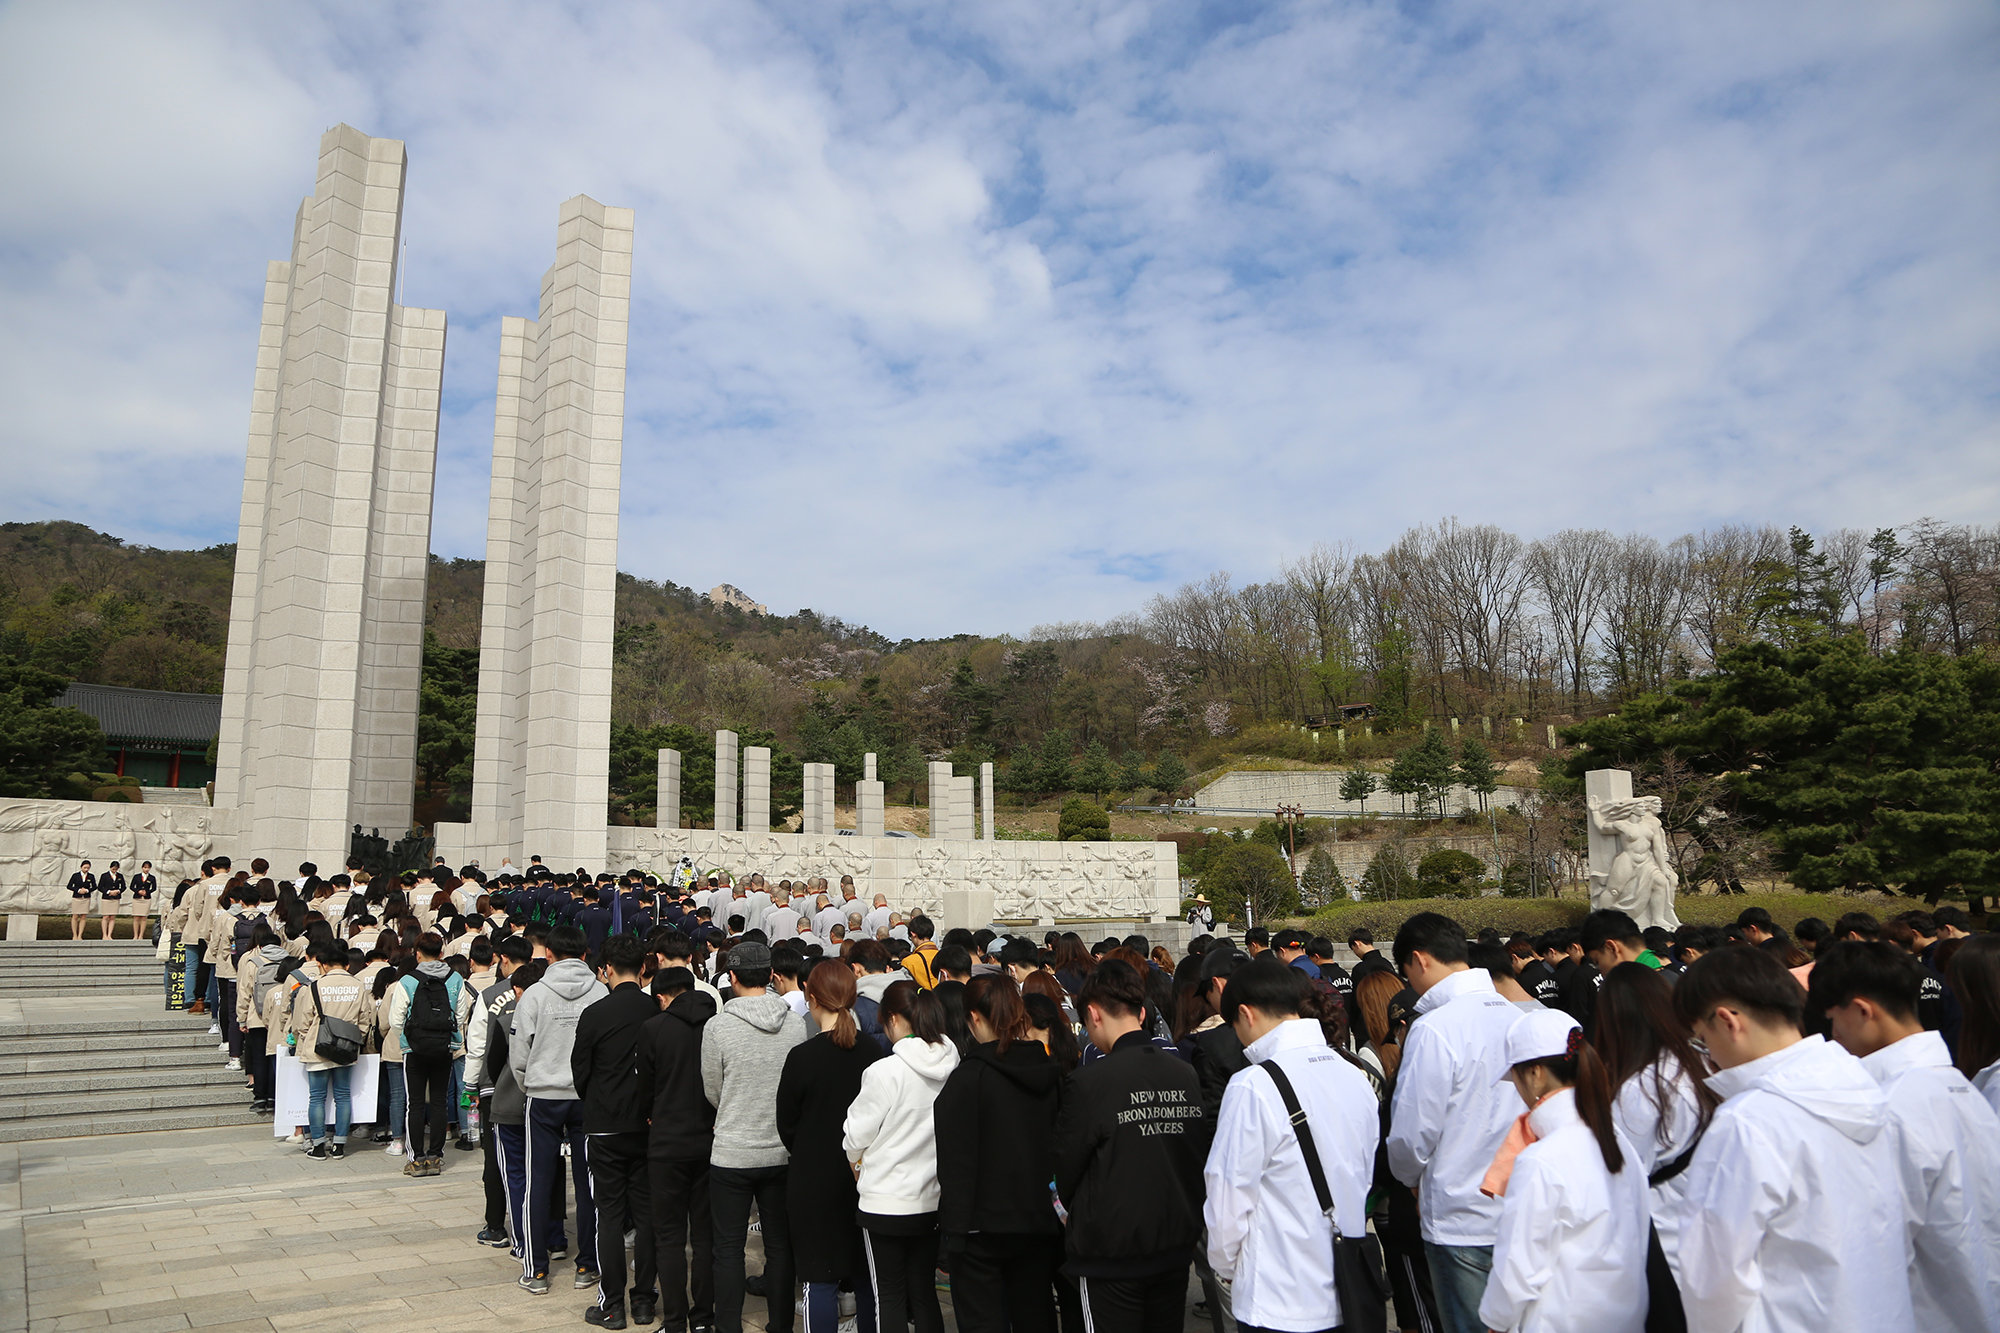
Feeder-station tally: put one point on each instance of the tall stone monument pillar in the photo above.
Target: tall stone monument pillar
(667, 804)
(986, 802)
(326, 620)
(725, 782)
(541, 764)
(757, 789)
(961, 808)
(868, 816)
(937, 799)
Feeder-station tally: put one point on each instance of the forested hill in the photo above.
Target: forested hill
(88, 606)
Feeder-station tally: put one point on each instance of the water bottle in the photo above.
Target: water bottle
(468, 1119)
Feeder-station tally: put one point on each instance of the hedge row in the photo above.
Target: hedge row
(1535, 915)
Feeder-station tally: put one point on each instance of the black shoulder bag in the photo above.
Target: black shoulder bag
(338, 1041)
(1358, 1278)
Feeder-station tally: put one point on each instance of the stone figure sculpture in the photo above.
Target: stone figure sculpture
(1639, 880)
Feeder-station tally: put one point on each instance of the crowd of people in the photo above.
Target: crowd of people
(1596, 1129)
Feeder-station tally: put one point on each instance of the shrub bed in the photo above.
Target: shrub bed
(1535, 915)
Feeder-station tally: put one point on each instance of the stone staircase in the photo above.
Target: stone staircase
(87, 1048)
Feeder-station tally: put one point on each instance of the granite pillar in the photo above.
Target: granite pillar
(725, 781)
(667, 803)
(756, 789)
(321, 678)
(937, 799)
(986, 802)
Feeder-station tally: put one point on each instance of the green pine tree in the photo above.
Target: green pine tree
(1169, 773)
(1476, 772)
(1357, 784)
(1096, 774)
(1321, 885)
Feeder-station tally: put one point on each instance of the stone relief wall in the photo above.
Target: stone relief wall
(41, 843)
(1029, 881)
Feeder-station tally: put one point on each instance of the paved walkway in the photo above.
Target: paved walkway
(231, 1231)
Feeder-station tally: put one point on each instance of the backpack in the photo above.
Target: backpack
(431, 1025)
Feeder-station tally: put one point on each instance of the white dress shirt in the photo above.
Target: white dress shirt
(1265, 1228)
(1451, 1111)
(1794, 1218)
(1949, 1145)
(1571, 1254)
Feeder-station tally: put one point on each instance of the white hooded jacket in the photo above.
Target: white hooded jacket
(1571, 1254)
(890, 1129)
(1949, 1144)
(1794, 1211)
(1638, 1118)
(1451, 1111)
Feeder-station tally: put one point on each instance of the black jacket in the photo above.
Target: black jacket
(820, 1081)
(1217, 1058)
(1539, 980)
(1128, 1162)
(1579, 996)
(605, 1060)
(996, 1142)
(683, 1123)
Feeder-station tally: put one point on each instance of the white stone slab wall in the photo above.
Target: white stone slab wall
(42, 842)
(541, 764)
(326, 616)
(1047, 883)
(756, 789)
(1317, 790)
(667, 803)
(986, 802)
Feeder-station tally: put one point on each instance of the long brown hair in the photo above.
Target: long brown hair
(1975, 979)
(995, 998)
(1636, 1029)
(1372, 995)
(830, 986)
(1072, 956)
(1583, 1071)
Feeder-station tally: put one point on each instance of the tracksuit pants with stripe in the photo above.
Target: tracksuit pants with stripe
(618, 1180)
(552, 1122)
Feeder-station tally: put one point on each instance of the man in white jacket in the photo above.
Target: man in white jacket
(1948, 1139)
(1266, 1232)
(1451, 1111)
(1794, 1217)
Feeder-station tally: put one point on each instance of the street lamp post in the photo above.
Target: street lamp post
(1289, 816)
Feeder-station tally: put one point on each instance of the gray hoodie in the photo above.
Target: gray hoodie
(743, 1052)
(544, 1029)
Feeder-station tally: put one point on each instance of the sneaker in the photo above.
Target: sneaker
(215, 1030)
(234, 1066)
(338, 1151)
(848, 1326)
(380, 1136)
(642, 1312)
(536, 1285)
(559, 1248)
(296, 1137)
(413, 1167)
(318, 1152)
(434, 1166)
(467, 1144)
(598, 1316)
(757, 1227)
(496, 1239)
(753, 1284)
(395, 1148)
(586, 1278)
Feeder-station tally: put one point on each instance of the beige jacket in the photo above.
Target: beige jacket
(343, 997)
(247, 1013)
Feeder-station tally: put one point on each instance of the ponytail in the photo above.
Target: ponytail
(1593, 1102)
(1585, 1074)
(830, 985)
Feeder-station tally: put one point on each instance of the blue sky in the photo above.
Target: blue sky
(967, 317)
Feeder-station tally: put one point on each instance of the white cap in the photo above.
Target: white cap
(1538, 1034)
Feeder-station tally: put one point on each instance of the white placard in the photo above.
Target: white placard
(294, 1094)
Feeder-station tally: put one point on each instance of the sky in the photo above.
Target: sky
(967, 317)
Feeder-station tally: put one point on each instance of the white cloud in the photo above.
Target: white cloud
(968, 317)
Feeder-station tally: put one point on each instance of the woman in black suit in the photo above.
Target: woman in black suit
(821, 1078)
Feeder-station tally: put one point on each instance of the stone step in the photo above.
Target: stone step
(90, 1124)
(116, 1076)
(163, 1062)
(132, 1103)
(64, 1037)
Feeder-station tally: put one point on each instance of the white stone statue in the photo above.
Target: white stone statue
(1639, 879)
